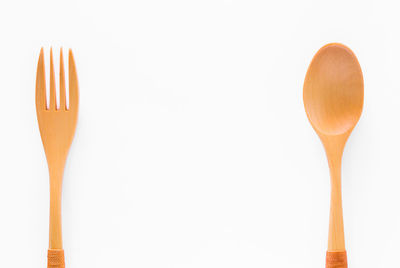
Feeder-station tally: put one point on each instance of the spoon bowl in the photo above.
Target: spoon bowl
(334, 90)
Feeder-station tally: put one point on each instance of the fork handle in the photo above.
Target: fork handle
(336, 259)
(55, 258)
(55, 232)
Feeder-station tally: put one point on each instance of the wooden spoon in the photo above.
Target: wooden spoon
(333, 95)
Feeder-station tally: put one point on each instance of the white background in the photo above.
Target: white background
(192, 147)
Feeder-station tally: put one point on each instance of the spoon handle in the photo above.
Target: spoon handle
(336, 228)
(336, 255)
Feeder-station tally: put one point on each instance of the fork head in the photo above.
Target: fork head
(57, 124)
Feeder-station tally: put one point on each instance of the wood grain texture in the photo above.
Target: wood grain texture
(333, 95)
(57, 128)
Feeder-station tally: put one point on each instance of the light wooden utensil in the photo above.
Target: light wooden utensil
(333, 97)
(57, 129)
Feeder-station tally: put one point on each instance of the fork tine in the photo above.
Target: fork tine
(41, 83)
(52, 83)
(73, 84)
(62, 82)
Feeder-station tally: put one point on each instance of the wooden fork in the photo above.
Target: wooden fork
(57, 129)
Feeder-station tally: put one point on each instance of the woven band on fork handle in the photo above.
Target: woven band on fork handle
(336, 259)
(55, 258)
